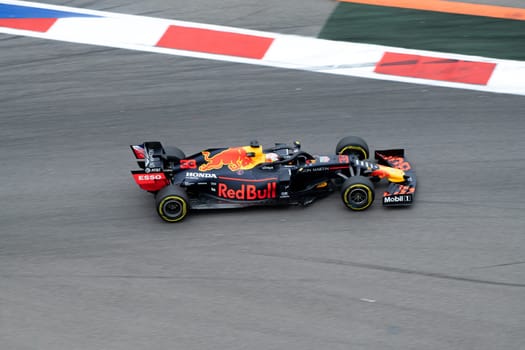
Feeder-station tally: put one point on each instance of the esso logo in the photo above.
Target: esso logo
(151, 177)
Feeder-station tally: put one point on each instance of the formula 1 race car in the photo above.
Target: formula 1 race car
(250, 175)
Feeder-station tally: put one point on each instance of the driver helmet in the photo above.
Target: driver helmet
(271, 157)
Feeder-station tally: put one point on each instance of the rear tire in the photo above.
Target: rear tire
(357, 193)
(172, 203)
(353, 145)
(174, 152)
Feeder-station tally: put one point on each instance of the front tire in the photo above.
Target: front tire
(172, 203)
(353, 145)
(357, 193)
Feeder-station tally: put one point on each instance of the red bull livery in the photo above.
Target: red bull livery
(235, 158)
(251, 175)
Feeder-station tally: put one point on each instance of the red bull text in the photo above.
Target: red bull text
(248, 192)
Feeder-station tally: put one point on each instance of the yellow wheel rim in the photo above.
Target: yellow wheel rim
(366, 189)
(183, 208)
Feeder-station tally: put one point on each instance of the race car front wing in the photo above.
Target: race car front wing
(402, 193)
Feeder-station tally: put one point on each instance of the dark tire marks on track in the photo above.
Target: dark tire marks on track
(403, 271)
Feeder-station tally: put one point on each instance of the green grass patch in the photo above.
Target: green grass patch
(427, 30)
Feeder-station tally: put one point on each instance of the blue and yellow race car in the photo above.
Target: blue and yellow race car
(251, 175)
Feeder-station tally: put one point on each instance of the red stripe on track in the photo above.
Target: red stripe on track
(35, 24)
(435, 68)
(215, 42)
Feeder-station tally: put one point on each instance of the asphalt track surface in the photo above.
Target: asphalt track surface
(85, 263)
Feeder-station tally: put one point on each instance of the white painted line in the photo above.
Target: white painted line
(93, 30)
(367, 300)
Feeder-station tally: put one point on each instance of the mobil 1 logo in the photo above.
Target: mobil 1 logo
(401, 199)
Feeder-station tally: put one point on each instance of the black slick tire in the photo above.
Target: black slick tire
(172, 203)
(353, 145)
(357, 193)
(174, 152)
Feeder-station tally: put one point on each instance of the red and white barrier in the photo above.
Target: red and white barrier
(262, 48)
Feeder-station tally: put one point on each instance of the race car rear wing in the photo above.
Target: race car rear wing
(151, 158)
(151, 155)
(145, 153)
(398, 194)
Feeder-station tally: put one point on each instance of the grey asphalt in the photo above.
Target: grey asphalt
(85, 263)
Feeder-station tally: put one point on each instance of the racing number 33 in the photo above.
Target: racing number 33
(188, 164)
